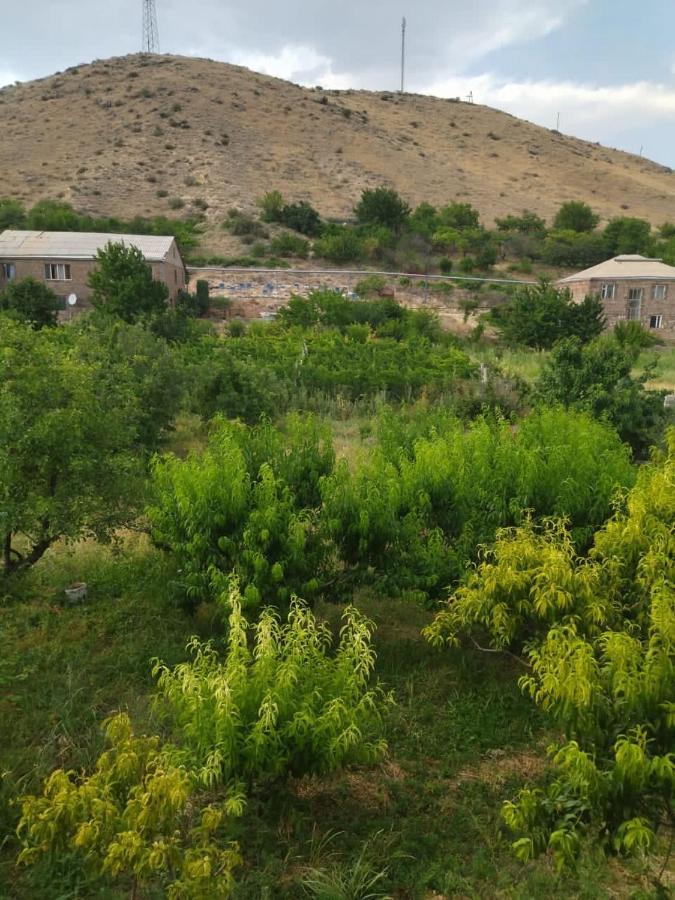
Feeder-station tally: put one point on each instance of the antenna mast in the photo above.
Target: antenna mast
(150, 30)
(403, 27)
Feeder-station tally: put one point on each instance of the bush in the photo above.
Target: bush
(628, 235)
(138, 815)
(301, 217)
(240, 224)
(271, 205)
(527, 223)
(575, 216)
(597, 377)
(12, 214)
(279, 706)
(412, 521)
(238, 507)
(445, 265)
(382, 206)
(30, 301)
(340, 246)
(598, 635)
(371, 284)
(574, 249)
(539, 316)
(290, 245)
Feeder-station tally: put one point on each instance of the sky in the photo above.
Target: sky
(606, 68)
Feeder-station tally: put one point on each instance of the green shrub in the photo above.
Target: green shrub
(238, 507)
(290, 245)
(599, 637)
(281, 705)
(340, 246)
(137, 816)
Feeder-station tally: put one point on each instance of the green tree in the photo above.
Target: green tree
(599, 636)
(12, 213)
(574, 249)
(539, 316)
(123, 284)
(382, 206)
(459, 215)
(301, 217)
(53, 215)
(69, 465)
(597, 377)
(527, 223)
(628, 235)
(30, 301)
(340, 245)
(575, 215)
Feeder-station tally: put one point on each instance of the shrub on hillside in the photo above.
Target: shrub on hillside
(575, 215)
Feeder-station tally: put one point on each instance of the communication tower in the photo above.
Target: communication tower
(150, 30)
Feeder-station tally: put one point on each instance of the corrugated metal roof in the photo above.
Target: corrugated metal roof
(77, 244)
(630, 265)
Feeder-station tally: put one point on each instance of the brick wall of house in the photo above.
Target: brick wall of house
(617, 308)
(170, 271)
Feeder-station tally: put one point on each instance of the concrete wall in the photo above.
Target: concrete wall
(616, 309)
(259, 294)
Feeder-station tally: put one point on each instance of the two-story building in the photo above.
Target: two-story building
(63, 260)
(632, 288)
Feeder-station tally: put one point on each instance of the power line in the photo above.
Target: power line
(150, 30)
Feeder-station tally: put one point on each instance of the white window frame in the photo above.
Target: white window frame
(57, 272)
(659, 291)
(634, 313)
(9, 271)
(656, 321)
(608, 290)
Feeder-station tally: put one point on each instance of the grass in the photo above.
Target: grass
(663, 377)
(422, 824)
(525, 364)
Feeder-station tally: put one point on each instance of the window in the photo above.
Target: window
(635, 293)
(634, 309)
(656, 321)
(8, 271)
(608, 290)
(659, 291)
(57, 271)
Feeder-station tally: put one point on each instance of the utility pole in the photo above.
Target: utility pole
(403, 27)
(150, 42)
(557, 124)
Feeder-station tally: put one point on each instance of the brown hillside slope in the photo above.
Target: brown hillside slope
(108, 137)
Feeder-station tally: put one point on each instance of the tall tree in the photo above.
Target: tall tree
(69, 465)
(123, 284)
(382, 206)
(575, 215)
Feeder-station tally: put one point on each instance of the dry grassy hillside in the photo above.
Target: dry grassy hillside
(130, 135)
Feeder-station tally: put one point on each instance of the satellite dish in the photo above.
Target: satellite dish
(72, 299)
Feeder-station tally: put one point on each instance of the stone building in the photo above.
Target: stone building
(63, 260)
(631, 287)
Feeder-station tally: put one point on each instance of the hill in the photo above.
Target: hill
(147, 135)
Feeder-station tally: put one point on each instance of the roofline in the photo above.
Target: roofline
(571, 279)
(71, 256)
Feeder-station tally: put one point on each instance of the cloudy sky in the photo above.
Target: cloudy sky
(606, 66)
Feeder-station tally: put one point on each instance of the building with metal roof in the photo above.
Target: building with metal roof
(64, 259)
(632, 288)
